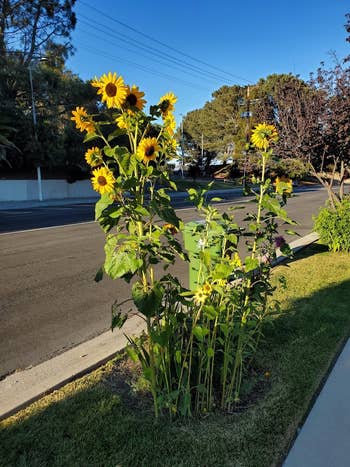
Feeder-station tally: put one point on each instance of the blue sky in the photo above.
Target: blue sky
(244, 41)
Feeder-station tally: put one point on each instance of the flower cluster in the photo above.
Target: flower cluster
(148, 139)
(202, 293)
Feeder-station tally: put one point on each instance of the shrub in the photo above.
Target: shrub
(333, 226)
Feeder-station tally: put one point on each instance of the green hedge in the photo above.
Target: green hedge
(333, 226)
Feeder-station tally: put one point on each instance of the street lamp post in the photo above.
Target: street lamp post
(38, 168)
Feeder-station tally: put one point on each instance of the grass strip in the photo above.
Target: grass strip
(95, 421)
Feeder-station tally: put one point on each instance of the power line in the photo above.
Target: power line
(98, 52)
(163, 44)
(172, 66)
(151, 50)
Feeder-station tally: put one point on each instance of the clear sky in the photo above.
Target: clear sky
(243, 41)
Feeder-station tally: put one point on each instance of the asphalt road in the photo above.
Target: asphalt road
(49, 301)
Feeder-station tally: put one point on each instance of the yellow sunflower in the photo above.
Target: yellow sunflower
(102, 180)
(202, 293)
(93, 156)
(284, 185)
(112, 89)
(173, 145)
(82, 120)
(263, 135)
(166, 103)
(170, 123)
(236, 262)
(170, 228)
(207, 288)
(221, 282)
(122, 121)
(134, 98)
(200, 297)
(148, 149)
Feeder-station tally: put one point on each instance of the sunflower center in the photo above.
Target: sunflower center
(131, 99)
(164, 105)
(149, 151)
(102, 180)
(111, 90)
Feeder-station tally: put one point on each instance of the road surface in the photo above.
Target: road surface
(49, 301)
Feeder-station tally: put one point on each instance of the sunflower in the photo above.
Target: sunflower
(148, 149)
(170, 123)
(103, 180)
(170, 228)
(236, 262)
(112, 89)
(207, 288)
(202, 293)
(284, 185)
(82, 121)
(166, 103)
(172, 145)
(263, 135)
(134, 98)
(221, 282)
(93, 156)
(200, 297)
(122, 121)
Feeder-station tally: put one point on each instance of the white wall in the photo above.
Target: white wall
(25, 190)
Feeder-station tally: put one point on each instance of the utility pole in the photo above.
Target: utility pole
(182, 146)
(247, 137)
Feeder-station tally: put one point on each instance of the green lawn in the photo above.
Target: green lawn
(96, 422)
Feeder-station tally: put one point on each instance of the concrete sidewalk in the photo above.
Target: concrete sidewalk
(324, 439)
(23, 387)
(175, 195)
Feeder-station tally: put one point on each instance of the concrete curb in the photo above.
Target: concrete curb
(175, 195)
(22, 388)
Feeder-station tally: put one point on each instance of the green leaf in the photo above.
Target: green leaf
(121, 261)
(286, 250)
(216, 199)
(292, 232)
(210, 352)
(166, 213)
(178, 356)
(126, 161)
(222, 271)
(102, 204)
(210, 312)
(91, 137)
(118, 320)
(148, 301)
(200, 332)
(99, 275)
(115, 134)
(251, 264)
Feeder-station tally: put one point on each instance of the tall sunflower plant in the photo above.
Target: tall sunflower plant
(128, 163)
(233, 297)
(198, 343)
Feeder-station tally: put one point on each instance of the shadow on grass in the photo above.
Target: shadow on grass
(310, 250)
(93, 424)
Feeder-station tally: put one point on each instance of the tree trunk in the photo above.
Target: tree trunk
(4, 11)
(33, 35)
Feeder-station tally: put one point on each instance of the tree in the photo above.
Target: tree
(28, 26)
(313, 122)
(217, 126)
